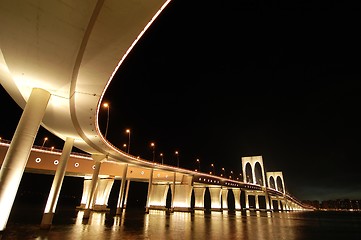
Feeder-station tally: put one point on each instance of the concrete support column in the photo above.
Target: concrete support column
(224, 199)
(89, 202)
(19, 150)
(121, 191)
(254, 175)
(247, 200)
(182, 197)
(268, 207)
(126, 194)
(199, 198)
(257, 201)
(173, 192)
(237, 198)
(215, 198)
(101, 196)
(280, 207)
(158, 196)
(56, 186)
(271, 204)
(149, 191)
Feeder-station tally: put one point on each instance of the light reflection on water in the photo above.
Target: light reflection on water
(247, 225)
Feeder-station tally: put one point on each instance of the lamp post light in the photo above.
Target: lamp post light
(45, 139)
(177, 155)
(199, 164)
(125, 147)
(128, 131)
(214, 171)
(161, 156)
(106, 105)
(152, 145)
(223, 172)
(52, 148)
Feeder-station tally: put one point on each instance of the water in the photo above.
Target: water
(136, 224)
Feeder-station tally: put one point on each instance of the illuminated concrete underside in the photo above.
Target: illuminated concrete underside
(72, 50)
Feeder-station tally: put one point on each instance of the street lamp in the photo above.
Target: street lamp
(161, 155)
(177, 154)
(223, 172)
(45, 139)
(199, 164)
(125, 147)
(214, 171)
(152, 145)
(106, 105)
(128, 131)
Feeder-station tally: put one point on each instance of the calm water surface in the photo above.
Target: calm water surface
(135, 224)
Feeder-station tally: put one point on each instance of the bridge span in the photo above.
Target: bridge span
(182, 183)
(57, 58)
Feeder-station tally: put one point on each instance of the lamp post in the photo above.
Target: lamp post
(125, 147)
(152, 145)
(161, 156)
(128, 131)
(214, 171)
(45, 139)
(199, 164)
(106, 105)
(177, 155)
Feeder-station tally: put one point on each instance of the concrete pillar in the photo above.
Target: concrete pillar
(121, 191)
(173, 192)
(182, 197)
(149, 190)
(271, 204)
(237, 198)
(224, 199)
(94, 181)
(158, 196)
(268, 207)
(19, 150)
(257, 201)
(247, 200)
(101, 195)
(56, 186)
(199, 197)
(254, 174)
(126, 194)
(215, 198)
(280, 207)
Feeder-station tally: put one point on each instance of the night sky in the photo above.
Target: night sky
(220, 80)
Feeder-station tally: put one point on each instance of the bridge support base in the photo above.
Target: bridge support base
(47, 220)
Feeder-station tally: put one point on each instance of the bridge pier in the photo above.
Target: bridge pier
(150, 185)
(237, 198)
(120, 204)
(215, 193)
(182, 195)
(158, 196)
(224, 193)
(199, 197)
(18, 153)
(89, 200)
(56, 185)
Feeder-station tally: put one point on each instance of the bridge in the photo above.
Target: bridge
(57, 59)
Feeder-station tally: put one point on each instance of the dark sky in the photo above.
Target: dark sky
(220, 80)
